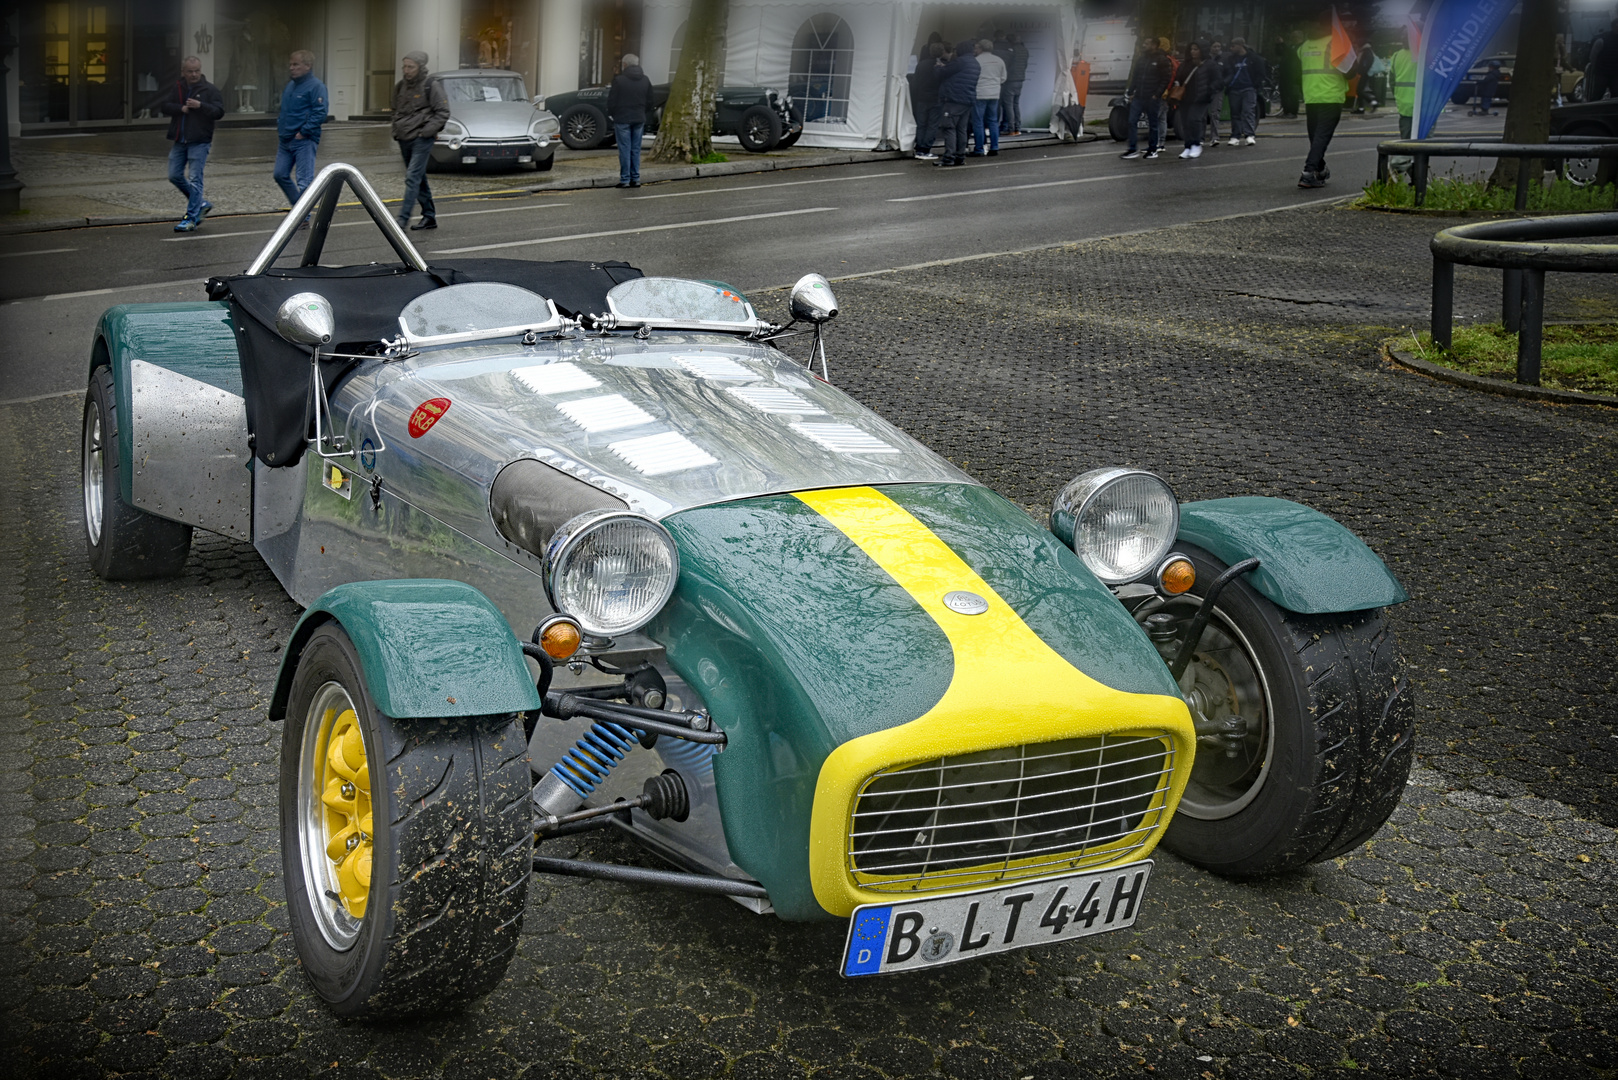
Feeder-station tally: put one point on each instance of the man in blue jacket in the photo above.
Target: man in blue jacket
(957, 96)
(303, 110)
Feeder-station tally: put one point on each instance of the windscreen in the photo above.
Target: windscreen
(471, 308)
(504, 87)
(679, 300)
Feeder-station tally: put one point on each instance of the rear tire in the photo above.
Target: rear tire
(1118, 123)
(584, 127)
(759, 129)
(1329, 734)
(435, 919)
(123, 543)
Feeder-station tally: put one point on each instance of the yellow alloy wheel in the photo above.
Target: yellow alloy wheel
(337, 826)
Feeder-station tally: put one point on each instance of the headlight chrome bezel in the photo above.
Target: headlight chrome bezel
(1068, 521)
(565, 545)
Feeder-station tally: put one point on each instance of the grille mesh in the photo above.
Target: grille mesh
(1009, 813)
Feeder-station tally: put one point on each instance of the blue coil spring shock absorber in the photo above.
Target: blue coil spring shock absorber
(587, 764)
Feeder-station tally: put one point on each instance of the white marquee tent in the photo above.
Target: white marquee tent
(845, 63)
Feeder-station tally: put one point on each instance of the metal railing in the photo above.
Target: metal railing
(1560, 148)
(1526, 249)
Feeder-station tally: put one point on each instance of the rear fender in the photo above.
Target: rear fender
(192, 339)
(1309, 563)
(429, 648)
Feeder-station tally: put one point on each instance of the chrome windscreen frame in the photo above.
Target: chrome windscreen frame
(320, 199)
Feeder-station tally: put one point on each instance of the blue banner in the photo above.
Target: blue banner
(1453, 36)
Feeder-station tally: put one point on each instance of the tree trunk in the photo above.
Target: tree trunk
(686, 131)
(1528, 114)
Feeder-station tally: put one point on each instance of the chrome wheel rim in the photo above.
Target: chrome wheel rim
(582, 128)
(334, 816)
(758, 130)
(1225, 688)
(1581, 172)
(94, 478)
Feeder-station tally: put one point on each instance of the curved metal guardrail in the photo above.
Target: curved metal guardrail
(1526, 249)
(1560, 148)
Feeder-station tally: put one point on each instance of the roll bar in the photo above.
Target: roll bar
(325, 190)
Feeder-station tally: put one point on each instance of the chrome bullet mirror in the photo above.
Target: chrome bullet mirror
(306, 318)
(812, 300)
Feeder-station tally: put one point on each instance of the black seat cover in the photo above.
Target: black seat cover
(366, 301)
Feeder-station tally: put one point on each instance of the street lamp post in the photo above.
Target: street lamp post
(10, 186)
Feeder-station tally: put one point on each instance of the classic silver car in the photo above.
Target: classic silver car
(581, 548)
(493, 122)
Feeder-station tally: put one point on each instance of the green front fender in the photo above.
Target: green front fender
(1309, 563)
(429, 649)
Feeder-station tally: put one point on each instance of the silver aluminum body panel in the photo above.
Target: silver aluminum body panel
(190, 451)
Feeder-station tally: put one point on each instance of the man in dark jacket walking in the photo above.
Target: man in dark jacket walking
(629, 103)
(957, 95)
(1244, 77)
(195, 104)
(1147, 83)
(1289, 73)
(1011, 91)
(420, 111)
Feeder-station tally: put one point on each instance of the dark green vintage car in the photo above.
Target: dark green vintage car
(585, 549)
(763, 119)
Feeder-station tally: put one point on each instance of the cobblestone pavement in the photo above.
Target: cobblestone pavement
(1476, 936)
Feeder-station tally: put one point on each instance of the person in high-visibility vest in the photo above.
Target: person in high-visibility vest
(1403, 64)
(1325, 88)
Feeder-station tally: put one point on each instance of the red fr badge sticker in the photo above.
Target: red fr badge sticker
(426, 415)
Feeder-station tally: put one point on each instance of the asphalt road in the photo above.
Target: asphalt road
(755, 231)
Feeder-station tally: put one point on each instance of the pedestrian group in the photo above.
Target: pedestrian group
(967, 95)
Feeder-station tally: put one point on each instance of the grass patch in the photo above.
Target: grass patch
(1583, 358)
(1446, 193)
(709, 159)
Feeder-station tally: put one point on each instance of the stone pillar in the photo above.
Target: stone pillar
(10, 186)
(344, 61)
(561, 24)
(198, 30)
(432, 27)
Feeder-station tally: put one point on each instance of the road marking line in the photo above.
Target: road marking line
(761, 187)
(754, 289)
(362, 221)
(630, 232)
(41, 397)
(1081, 180)
(47, 251)
(103, 292)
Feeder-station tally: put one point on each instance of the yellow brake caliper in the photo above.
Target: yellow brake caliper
(347, 797)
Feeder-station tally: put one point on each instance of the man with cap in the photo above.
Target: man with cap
(420, 111)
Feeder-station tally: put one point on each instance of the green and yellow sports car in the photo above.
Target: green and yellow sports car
(585, 549)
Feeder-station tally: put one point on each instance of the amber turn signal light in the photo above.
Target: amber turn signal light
(1176, 576)
(560, 637)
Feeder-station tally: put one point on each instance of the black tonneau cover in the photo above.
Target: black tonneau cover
(367, 301)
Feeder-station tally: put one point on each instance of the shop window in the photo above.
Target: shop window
(822, 69)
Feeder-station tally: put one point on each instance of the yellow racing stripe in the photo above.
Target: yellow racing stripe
(1009, 687)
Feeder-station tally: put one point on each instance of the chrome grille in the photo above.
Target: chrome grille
(1008, 813)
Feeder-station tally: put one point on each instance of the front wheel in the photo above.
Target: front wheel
(584, 127)
(1305, 728)
(406, 845)
(759, 129)
(1118, 123)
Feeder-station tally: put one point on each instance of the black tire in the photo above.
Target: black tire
(584, 127)
(1118, 123)
(123, 543)
(789, 141)
(1333, 754)
(449, 872)
(543, 164)
(759, 129)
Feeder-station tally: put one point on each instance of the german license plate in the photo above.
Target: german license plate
(921, 933)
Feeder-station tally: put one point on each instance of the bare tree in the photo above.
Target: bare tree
(685, 132)
(1533, 81)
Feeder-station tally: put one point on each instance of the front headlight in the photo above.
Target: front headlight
(453, 131)
(612, 570)
(544, 125)
(1121, 522)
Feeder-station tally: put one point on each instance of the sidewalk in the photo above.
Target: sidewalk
(121, 177)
